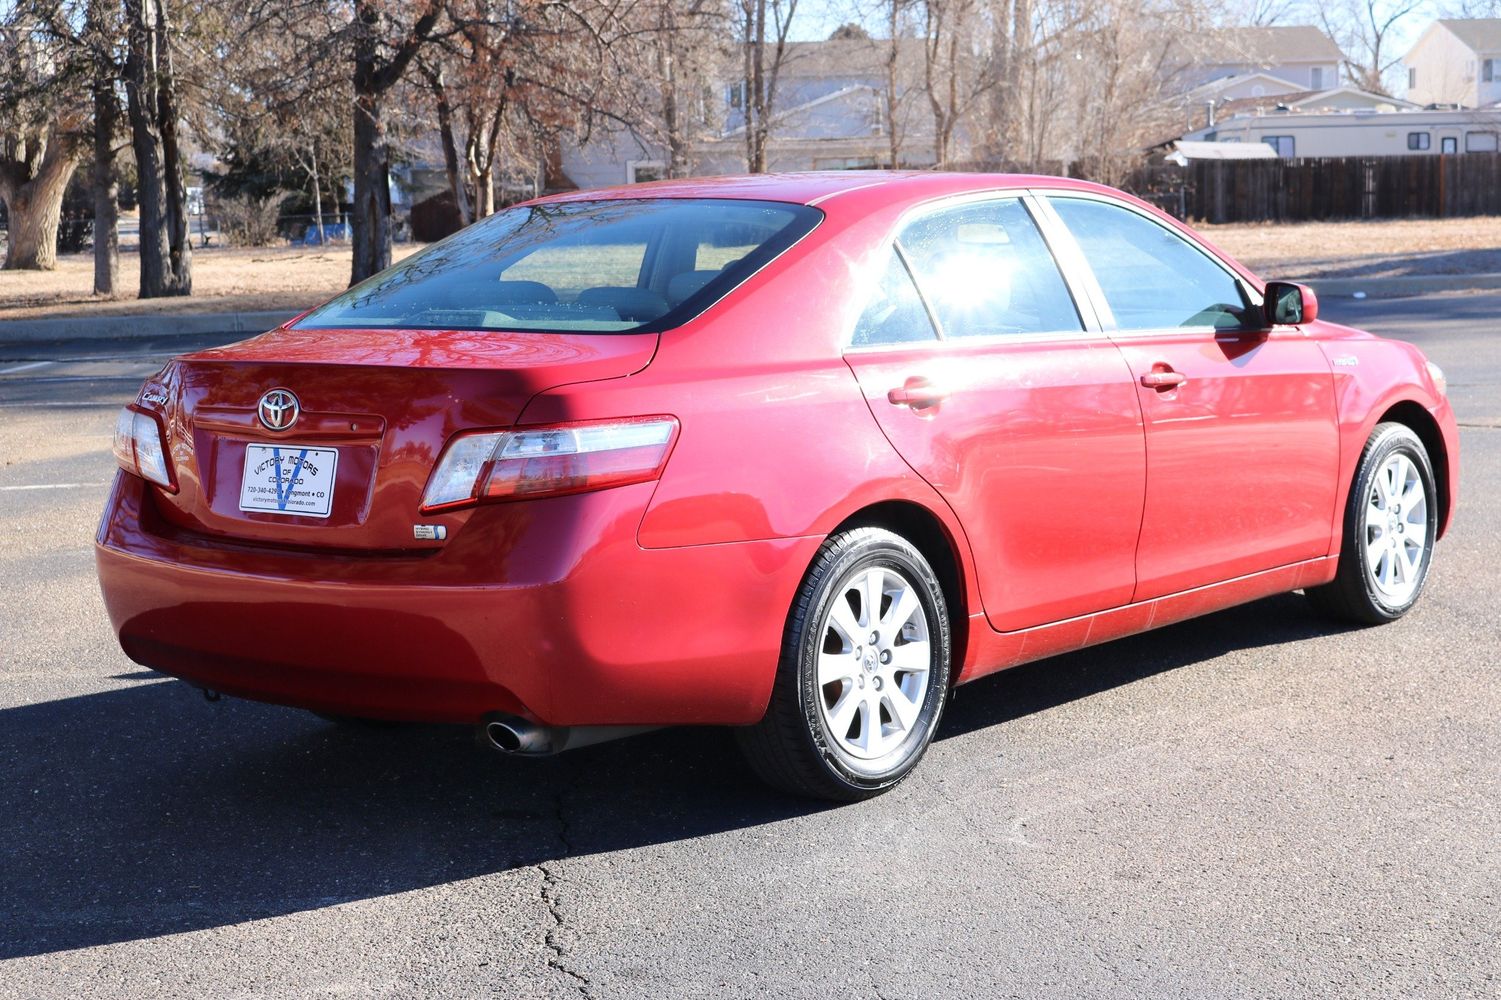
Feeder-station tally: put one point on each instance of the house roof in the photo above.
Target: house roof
(1481, 34)
(1206, 91)
(850, 57)
(1269, 45)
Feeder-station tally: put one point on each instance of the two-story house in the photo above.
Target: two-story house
(830, 111)
(1456, 62)
(1300, 55)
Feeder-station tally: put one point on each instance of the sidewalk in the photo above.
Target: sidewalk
(34, 331)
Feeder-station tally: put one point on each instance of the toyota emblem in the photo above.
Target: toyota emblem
(278, 409)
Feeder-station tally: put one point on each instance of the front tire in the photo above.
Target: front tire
(864, 672)
(1391, 520)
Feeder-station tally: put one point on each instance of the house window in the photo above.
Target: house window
(641, 171)
(1448, 144)
(846, 163)
(1419, 140)
(1412, 78)
(1480, 142)
(734, 95)
(1488, 70)
(1316, 78)
(1283, 144)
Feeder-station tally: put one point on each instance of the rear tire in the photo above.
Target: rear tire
(1391, 519)
(864, 672)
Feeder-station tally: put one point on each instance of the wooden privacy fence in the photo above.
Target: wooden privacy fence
(1355, 187)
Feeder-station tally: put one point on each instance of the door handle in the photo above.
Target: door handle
(1160, 379)
(917, 393)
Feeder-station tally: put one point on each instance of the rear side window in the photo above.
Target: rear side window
(986, 271)
(1153, 279)
(601, 266)
(895, 313)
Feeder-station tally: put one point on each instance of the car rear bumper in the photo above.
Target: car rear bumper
(568, 623)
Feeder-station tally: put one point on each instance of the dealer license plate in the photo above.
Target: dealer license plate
(289, 479)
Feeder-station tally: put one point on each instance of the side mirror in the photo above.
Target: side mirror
(1289, 304)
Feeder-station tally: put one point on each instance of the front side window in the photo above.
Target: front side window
(582, 266)
(1152, 278)
(986, 271)
(1418, 140)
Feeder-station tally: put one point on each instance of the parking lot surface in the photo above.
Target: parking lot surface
(1251, 804)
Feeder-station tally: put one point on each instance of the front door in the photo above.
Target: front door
(1242, 442)
(983, 375)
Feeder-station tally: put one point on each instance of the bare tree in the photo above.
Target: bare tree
(681, 44)
(951, 72)
(384, 46)
(1367, 31)
(764, 29)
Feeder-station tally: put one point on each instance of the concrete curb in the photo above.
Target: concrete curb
(1403, 286)
(32, 331)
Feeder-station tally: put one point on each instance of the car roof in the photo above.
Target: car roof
(817, 187)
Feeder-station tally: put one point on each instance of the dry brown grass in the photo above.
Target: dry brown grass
(1364, 249)
(224, 280)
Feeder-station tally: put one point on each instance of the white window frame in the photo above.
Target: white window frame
(1275, 141)
(1495, 145)
(632, 166)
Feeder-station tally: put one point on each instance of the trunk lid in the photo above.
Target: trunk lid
(375, 408)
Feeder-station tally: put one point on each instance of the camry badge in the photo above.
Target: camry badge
(278, 409)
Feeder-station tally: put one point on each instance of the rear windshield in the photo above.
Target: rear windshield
(599, 266)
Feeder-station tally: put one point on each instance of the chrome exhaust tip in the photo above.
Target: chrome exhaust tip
(520, 737)
(517, 736)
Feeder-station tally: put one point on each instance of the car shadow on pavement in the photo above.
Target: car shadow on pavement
(1035, 687)
(145, 811)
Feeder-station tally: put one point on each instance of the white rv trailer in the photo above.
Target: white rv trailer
(1362, 132)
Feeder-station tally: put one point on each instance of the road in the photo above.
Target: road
(1251, 804)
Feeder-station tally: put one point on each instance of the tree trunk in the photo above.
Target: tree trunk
(35, 208)
(484, 193)
(457, 181)
(162, 270)
(179, 239)
(756, 124)
(893, 140)
(317, 195)
(104, 184)
(370, 217)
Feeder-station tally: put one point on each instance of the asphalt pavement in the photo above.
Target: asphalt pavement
(1252, 804)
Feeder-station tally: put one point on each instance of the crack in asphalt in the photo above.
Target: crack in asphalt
(551, 881)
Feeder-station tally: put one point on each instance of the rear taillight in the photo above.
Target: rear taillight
(141, 446)
(549, 460)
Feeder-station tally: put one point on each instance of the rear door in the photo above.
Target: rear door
(1242, 445)
(995, 387)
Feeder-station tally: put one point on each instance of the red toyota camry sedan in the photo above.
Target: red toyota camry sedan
(794, 454)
